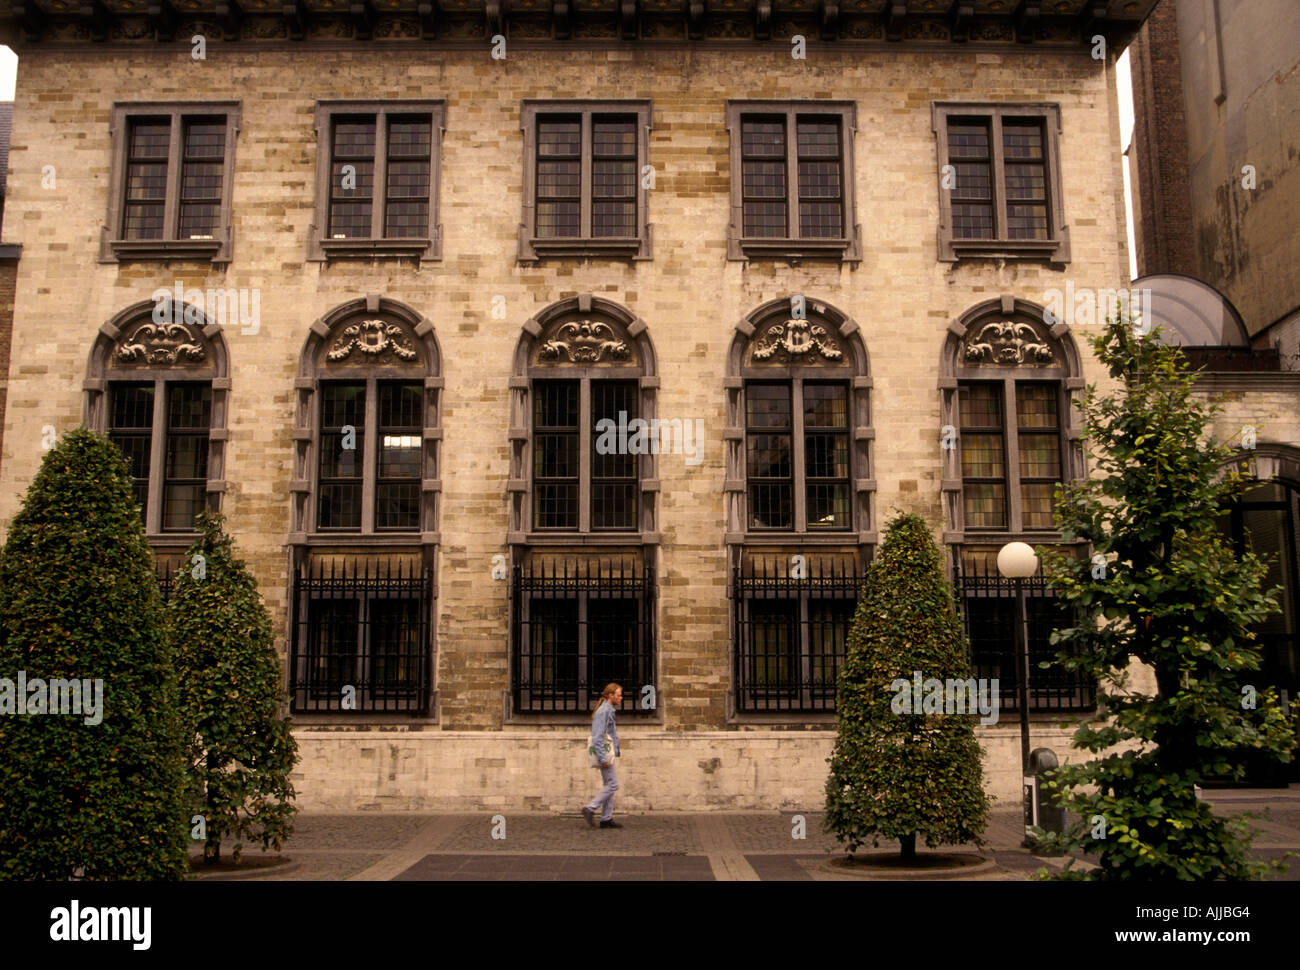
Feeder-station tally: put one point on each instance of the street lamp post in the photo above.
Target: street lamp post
(1018, 561)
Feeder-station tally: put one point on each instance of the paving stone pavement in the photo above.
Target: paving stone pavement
(724, 846)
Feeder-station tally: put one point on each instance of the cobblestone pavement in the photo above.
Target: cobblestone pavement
(663, 845)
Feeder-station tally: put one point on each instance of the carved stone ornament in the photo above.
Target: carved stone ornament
(374, 340)
(584, 342)
(796, 340)
(1007, 343)
(161, 343)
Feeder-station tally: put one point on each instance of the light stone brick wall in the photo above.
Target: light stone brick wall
(689, 296)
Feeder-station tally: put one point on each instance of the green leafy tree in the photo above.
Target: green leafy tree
(904, 775)
(1173, 596)
(79, 599)
(240, 751)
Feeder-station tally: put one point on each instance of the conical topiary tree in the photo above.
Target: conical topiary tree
(902, 775)
(95, 794)
(240, 751)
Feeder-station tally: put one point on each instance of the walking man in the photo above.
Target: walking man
(602, 723)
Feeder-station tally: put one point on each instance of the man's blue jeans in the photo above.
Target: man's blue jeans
(605, 800)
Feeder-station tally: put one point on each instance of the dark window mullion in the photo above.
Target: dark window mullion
(800, 481)
(157, 458)
(584, 455)
(370, 469)
(792, 228)
(175, 147)
(585, 184)
(997, 154)
(379, 191)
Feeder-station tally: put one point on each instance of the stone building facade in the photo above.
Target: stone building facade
(369, 284)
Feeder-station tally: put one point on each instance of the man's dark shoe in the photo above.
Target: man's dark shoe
(611, 824)
(590, 815)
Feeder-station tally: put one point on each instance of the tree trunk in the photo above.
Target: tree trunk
(908, 846)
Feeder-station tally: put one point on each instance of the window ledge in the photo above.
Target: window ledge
(359, 248)
(590, 538)
(575, 248)
(1055, 250)
(365, 539)
(795, 250)
(198, 249)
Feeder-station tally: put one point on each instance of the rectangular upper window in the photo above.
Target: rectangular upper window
(999, 182)
(377, 169)
(171, 173)
(792, 180)
(584, 188)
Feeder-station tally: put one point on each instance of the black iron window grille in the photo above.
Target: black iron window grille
(361, 637)
(578, 624)
(987, 603)
(792, 619)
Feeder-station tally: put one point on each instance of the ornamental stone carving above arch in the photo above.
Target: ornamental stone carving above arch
(774, 336)
(1010, 336)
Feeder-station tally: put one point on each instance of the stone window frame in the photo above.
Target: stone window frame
(1065, 371)
(856, 372)
(532, 247)
(304, 484)
(632, 329)
(321, 249)
(102, 370)
(794, 249)
(1055, 249)
(112, 247)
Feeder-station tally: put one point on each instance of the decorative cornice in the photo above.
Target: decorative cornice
(1061, 23)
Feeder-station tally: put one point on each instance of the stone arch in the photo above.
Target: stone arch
(582, 336)
(159, 341)
(823, 342)
(371, 337)
(1007, 338)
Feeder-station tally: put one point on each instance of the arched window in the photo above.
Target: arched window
(1008, 435)
(798, 501)
(585, 441)
(157, 383)
(367, 425)
(1008, 430)
(365, 488)
(579, 362)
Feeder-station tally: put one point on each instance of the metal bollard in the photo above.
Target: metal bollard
(1038, 811)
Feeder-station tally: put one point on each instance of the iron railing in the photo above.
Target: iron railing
(792, 618)
(987, 604)
(577, 624)
(361, 637)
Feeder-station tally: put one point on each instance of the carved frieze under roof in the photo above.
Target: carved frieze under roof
(372, 341)
(1007, 343)
(795, 341)
(150, 344)
(1060, 24)
(584, 341)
